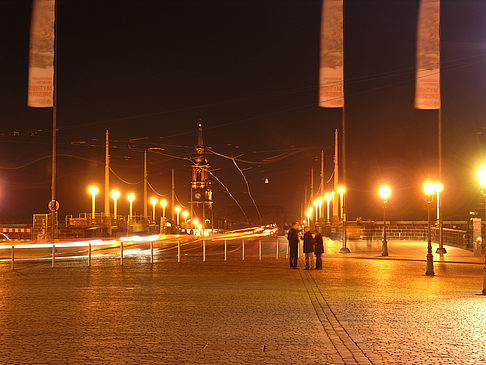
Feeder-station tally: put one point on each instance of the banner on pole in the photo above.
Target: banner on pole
(331, 74)
(427, 83)
(41, 56)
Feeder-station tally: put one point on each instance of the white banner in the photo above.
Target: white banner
(41, 57)
(427, 84)
(331, 74)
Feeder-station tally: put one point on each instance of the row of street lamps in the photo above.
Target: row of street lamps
(115, 195)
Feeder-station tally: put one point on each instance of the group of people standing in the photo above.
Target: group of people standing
(313, 245)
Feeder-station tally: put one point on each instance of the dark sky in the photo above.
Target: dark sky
(148, 70)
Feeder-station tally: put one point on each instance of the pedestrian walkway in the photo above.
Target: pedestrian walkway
(400, 250)
(360, 309)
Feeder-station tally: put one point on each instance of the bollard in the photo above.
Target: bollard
(178, 251)
(13, 258)
(242, 250)
(151, 252)
(260, 250)
(53, 256)
(121, 253)
(204, 250)
(224, 250)
(276, 243)
(89, 254)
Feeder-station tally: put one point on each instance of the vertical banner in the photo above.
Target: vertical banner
(427, 84)
(41, 56)
(331, 74)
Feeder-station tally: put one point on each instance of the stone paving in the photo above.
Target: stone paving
(354, 311)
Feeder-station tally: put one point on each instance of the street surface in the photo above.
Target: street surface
(360, 309)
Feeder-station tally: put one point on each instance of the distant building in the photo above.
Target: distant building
(201, 189)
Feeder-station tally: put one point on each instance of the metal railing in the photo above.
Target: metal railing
(119, 244)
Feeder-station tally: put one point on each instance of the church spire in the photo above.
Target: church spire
(200, 142)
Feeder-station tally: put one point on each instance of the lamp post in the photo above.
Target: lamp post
(482, 183)
(385, 193)
(328, 197)
(153, 200)
(440, 250)
(429, 190)
(131, 198)
(93, 190)
(164, 204)
(316, 207)
(178, 210)
(333, 204)
(185, 214)
(115, 194)
(308, 214)
(341, 191)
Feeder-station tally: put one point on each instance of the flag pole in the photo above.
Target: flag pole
(53, 204)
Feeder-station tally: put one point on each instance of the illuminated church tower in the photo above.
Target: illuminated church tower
(201, 190)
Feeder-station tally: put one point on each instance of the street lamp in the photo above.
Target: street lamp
(319, 202)
(163, 203)
(93, 190)
(440, 250)
(178, 209)
(115, 194)
(308, 214)
(482, 183)
(328, 198)
(429, 190)
(185, 214)
(131, 198)
(341, 191)
(385, 193)
(153, 200)
(195, 221)
(316, 206)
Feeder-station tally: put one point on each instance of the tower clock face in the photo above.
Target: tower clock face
(197, 195)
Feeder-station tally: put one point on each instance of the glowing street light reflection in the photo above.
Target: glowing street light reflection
(93, 190)
(164, 204)
(153, 200)
(131, 198)
(115, 194)
(178, 210)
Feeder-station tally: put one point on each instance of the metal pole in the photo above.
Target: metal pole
(173, 197)
(145, 201)
(225, 249)
(89, 254)
(276, 243)
(384, 247)
(53, 256)
(121, 253)
(13, 259)
(204, 250)
(343, 249)
(430, 258)
(178, 251)
(151, 252)
(484, 280)
(242, 250)
(259, 249)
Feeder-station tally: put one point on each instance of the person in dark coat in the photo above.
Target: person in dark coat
(309, 244)
(293, 237)
(319, 250)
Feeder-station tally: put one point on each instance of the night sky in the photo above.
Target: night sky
(150, 70)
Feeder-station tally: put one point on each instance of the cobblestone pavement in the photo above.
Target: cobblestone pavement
(355, 311)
